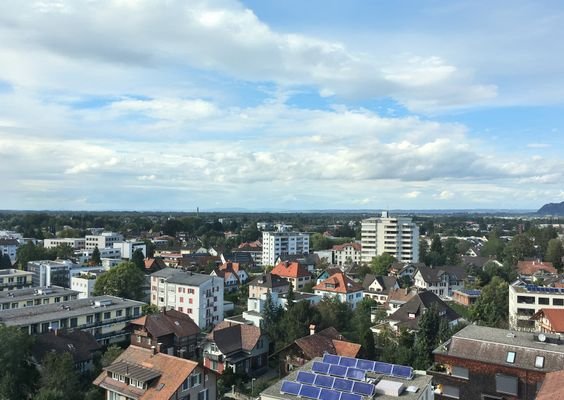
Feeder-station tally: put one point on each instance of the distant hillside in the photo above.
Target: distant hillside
(552, 209)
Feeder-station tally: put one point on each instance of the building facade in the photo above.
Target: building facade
(346, 254)
(32, 297)
(342, 288)
(525, 300)
(75, 243)
(198, 295)
(47, 272)
(103, 240)
(275, 244)
(11, 279)
(9, 247)
(127, 248)
(397, 236)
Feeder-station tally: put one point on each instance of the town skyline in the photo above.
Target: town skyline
(280, 105)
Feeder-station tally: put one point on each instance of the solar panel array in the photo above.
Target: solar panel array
(542, 289)
(400, 371)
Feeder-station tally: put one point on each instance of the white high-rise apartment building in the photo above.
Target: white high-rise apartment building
(106, 239)
(200, 296)
(275, 244)
(397, 236)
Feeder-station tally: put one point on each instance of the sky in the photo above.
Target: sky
(282, 104)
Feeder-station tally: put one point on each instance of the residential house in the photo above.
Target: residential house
(552, 388)
(82, 346)
(174, 333)
(312, 381)
(294, 272)
(154, 265)
(241, 347)
(397, 298)
(440, 280)
(347, 253)
(549, 320)
(253, 249)
(326, 273)
(478, 262)
(198, 295)
(145, 374)
(233, 275)
(341, 287)
(479, 362)
(307, 260)
(402, 269)
(266, 283)
(305, 349)
(466, 297)
(409, 314)
(378, 287)
(527, 299)
(535, 269)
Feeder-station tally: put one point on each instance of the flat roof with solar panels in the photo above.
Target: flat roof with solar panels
(335, 377)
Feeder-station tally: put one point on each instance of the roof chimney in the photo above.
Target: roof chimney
(312, 329)
(153, 350)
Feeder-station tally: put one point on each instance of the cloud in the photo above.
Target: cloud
(537, 145)
(444, 195)
(413, 194)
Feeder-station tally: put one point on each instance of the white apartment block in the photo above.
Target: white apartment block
(526, 299)
(83, 283)
(128, 247)
(198, 295)
(347, 253)
(84, 256)
(275, 244)
(102, 241)
(75, 243)
(397, 236)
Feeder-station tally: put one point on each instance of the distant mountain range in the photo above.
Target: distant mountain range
(552, 209)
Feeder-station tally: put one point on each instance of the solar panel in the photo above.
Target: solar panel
(311, 392)
(402, 371)
(365, 365)
(327, 394)
(383, 368)
(331, 359)
(355, 373)
(305, 377)
(348, 362)
(290, 388)
(365, 389)
(350, 396)
(324, 380)
(343, 384)
(337, 370)
(320, 367)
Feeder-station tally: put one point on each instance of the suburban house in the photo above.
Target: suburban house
(253, 249)
(440, 280)
(401, 269)
(347, 253)
(154, 265)
(397, 298)
(267, 283)
(549, 320)
(479, 362)
(9, 247)
(409, 314)
(552, 386)
(535, 268)
(378, 287)
(233, 275)
(341, 287)
(314, 345)
(145, 374)
(241, 347)
(82, 346)
(308, 260)
(294, 272)
(326, 273)
(479, 262)
(173, 332)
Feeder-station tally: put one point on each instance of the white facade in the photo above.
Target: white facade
(128, 248)
(106, 239)
(200, 296)
(347, 253)
(75, 243)
(84, 286)
(525, 300)
(275, 244)
(397, 236)
(85, 255)
(9, 247)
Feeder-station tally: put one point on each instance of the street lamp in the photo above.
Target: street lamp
(253, 387)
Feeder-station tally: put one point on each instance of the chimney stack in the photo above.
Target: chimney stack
(312, 329)
(153, 350)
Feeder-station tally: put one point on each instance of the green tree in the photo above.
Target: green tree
(451, 251)
(427, 338)
(149, 309)
(124, 280)
(50, 394)
(554, 253)
(295, 322)
(110, 355)
(138, 259)
(58, 377)
(320, 242)
(492, 307)
(494, 247)
(64, 251)
(368, 346)
(30, 252)
(5, 262)
(271, 319)
(519, 248)
(333, 313)
(381, 264)
(95, 258)
(18, 376)
(436, 255)
(290, 296)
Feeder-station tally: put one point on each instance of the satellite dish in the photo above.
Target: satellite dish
(542, 337)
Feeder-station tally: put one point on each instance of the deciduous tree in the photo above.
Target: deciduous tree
(124, 280)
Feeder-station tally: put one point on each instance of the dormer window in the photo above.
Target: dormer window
(510, 357)
(411, 315)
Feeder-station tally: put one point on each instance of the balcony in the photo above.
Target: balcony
(213, 357)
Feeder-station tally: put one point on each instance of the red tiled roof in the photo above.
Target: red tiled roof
(551, 388)
(346, 349)
(555, 316)
(532, 267)
(256, 244)
(339, 283)
(341, 247)
(329, 341)
(290, 270)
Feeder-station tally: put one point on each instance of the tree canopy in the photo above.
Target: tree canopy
(492, 307)
(381, 264)
(124, 280)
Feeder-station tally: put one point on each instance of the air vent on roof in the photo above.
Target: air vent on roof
(160, 387)
(102, 303)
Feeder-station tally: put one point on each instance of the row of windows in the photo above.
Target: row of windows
(504, 384)
(511, 356)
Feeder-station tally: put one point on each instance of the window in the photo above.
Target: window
(539, 362)
(195, 379)
(107, 315)
(89, 319)
(460, 372)
(190, 300)
(186, 384)
(558, 302)
(506, 384)
(203, 395)
(119, 313)
(510, 357)
(138, 338)
(544, 300)
(73, 322)
(451, 391)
